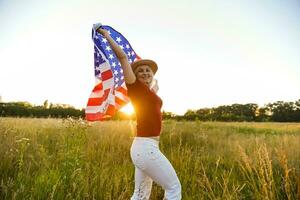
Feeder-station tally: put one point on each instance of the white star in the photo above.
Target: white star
(118, 39)
(117, 79)
(121, 46)
(127, 46)
(119, 64)
(109, 32)
(108, 48)
(122, 77)
(113, 64)
(115, 72)
(104, 40)
(111, 56)
(121, 70)
(132, 53)
(128, 54)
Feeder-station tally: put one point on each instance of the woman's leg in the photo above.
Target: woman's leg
(143, 185)
(162, 172)
(150, 162)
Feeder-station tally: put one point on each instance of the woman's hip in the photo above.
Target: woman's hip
(145, 153)
(146, 156)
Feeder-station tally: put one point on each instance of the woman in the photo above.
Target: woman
(150, 163)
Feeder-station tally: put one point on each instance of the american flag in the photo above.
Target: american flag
(110, 92)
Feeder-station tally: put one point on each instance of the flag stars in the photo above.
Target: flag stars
(129, 54)
(97, 69)
(113, 64)
(127, 46)
(111, 56)
(116, 72)
(104, 40)
(108, 48)
(132, 53)
(121, 46)
(118, 39)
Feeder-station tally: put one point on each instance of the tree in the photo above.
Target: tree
(46, 104)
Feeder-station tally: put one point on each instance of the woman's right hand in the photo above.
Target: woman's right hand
(103, 32)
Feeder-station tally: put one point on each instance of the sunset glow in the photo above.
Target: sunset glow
(128, 109)
(208, 53)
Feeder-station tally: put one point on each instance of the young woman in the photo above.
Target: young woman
(150, 163)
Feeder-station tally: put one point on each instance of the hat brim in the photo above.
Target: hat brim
(147, 62)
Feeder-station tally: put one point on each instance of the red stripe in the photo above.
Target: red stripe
(96, 116)
(106, 75)
(93, 116)
(119, 101)
(110, 110)
(98, 87)
(122, 90)
(120, 104)
(95, 101)
(106, 92)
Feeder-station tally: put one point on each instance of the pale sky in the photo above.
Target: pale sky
(209, 53)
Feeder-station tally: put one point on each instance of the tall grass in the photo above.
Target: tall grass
(67, 159)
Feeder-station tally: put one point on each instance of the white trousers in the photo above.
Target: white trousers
(152, 165)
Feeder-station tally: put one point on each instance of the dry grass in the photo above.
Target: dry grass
(67, 159)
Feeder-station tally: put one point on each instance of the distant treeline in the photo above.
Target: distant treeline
(279, 111)
(25, 109)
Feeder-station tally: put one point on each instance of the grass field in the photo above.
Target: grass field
(67, 159)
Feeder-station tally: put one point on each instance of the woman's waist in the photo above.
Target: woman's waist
(152, 139)
(148, 132)
(156, 138)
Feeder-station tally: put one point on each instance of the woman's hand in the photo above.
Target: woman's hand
(103, 32)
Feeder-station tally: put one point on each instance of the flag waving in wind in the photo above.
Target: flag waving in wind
(110, 92)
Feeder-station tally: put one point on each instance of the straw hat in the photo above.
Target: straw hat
(148, 62)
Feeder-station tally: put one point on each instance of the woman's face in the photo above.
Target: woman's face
(144, 74)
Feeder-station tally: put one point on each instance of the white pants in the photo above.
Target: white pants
(151, 164)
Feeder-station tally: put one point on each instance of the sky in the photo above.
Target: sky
(209, 53)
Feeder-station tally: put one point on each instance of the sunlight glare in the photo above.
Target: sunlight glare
(128, 109)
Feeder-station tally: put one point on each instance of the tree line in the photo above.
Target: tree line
(278, 111)
(25, 109)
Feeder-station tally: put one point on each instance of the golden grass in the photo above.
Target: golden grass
(71, 159)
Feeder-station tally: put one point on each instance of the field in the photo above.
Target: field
(67, 159)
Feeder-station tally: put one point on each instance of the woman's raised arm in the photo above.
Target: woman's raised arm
(127, 70)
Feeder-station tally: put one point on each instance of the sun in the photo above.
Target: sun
(128, 109)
